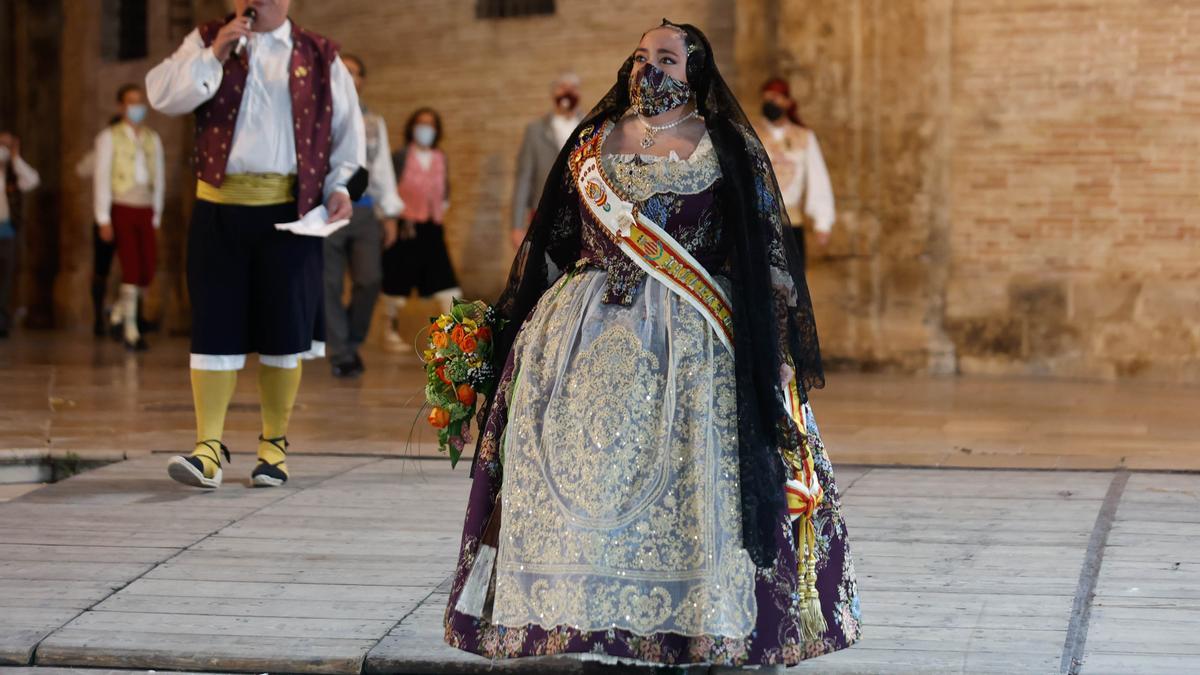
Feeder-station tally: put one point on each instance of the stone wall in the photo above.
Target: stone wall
(489, 78)
(1075, 197)
(1016, 181)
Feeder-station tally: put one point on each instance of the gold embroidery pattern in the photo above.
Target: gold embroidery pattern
(621, 486)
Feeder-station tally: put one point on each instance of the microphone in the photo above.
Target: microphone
(250, 14)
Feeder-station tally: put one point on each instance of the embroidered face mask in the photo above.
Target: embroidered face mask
(653, 92)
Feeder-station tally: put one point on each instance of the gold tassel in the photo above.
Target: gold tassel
(804, 496)
(812, 619)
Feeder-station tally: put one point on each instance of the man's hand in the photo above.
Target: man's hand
(106, 232)
(228, 36)
(408, 230)
(518, 236)
(822, 238)
(338, 206)
(391, 231)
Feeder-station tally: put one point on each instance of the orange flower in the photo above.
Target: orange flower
(468, 345)
(439, 417)
(441, 373)
(439, 339)
(458, 334)
(466, 395)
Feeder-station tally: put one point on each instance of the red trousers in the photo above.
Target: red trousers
(133, 229)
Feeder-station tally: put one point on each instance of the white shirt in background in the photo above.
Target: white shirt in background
(563, 126)
(27, 179)
(810, 186)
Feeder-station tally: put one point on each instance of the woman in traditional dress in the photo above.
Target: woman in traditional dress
(640, 495)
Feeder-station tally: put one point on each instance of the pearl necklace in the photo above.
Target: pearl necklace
(652, 130)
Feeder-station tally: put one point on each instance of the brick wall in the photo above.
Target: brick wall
(489, 78)
(1017, 181)
(1076, 188)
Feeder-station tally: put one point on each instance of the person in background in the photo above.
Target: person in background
(102, 252)
(544, 139)
(359, 246)
(127, 193)
(419, 259)
(16, 176)
(799, 166)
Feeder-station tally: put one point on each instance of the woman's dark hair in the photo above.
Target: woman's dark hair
(362, 67)
(125, 89)
(412, 122)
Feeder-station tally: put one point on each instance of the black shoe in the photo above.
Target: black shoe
(358, 363)
(345, 370)
(189, 470)
(270, 475)
(138, 346)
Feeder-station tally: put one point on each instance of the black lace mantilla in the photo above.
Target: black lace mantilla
(773, 316)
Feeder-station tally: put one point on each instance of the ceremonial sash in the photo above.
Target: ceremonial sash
(655, 251)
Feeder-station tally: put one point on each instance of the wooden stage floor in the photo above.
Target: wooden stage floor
(68, 393)
(971, 557)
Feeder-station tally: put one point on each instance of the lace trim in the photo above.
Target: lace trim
(641, 177)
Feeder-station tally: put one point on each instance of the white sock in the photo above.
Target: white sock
(393, 305)
(129, 297)
(445, 299)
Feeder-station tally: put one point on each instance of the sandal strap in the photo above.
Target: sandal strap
(275, 442)
(224, 450)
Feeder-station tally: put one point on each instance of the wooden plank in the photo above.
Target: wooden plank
(402, 574)
(191, 651)
(217, 627)
(73, 571)
(261, 607)
(243, 589)
(17, 645)
(68, 553)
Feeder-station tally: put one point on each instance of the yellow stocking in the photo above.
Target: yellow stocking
(212, 390)
(277, 388)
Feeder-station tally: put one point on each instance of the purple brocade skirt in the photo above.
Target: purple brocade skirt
(620, 535)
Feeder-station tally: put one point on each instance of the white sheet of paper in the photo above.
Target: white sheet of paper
(313, 224)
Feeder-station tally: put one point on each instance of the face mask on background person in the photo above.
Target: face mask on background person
(772, 111)
(136, 113)
(424, 135)
(567, 102)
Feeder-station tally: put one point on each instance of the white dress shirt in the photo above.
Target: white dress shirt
(382, 185)
(263, 140)
(27, 179)
(810, 184)
(562, 127)
(102, 196)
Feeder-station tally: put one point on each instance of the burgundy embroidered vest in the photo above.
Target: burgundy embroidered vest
(312, 113)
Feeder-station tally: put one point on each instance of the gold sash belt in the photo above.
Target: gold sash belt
(250, 189)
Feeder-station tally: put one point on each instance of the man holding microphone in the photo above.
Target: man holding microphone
(278, 133)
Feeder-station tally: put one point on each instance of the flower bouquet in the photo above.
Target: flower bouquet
(458, 369)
